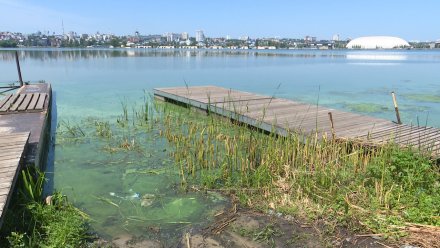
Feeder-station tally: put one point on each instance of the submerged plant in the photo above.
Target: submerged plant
(103, 129)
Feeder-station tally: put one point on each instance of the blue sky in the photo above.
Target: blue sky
(411, 20)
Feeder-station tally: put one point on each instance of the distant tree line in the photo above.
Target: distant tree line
(8, 43)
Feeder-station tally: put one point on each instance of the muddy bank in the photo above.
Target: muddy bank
(241, 227)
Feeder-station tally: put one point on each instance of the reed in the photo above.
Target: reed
(31, 221)
(311, 175)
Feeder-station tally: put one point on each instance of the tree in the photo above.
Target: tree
(115, 42)
(8, 43)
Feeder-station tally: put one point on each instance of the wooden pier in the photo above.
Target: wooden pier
(12, 151)
(24, 127)
(283, 116)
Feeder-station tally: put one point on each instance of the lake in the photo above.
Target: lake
(126, 191)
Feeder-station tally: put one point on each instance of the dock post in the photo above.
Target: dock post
(18, 68)
(396, 108)
(332, 125)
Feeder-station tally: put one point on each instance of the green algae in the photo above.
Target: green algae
(123, 177)
(367, 107)
(434, 98)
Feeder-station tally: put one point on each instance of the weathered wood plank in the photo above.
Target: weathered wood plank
(41, 100)
(4, 100)
(34, 101)
(9, 103)
(10, 157)
(17, 103)
(23, 106)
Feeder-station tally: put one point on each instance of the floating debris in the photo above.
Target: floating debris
(147, 200)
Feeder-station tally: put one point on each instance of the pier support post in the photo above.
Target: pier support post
(18, 68)
(332, 125)
(396, 108)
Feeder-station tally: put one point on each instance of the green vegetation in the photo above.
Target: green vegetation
(264, 235)
(8, 43)
(382, 190)
(366, 107)
(424, 97)
(32, 222)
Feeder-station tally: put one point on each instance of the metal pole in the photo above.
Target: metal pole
(18, 68)
(396, 108)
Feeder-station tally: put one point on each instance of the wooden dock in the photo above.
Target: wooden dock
(12, 150)
(24, 128)
(283, 116)
(28, 110)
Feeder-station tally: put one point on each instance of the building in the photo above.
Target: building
(377, 42)
(172, 37)
(200, 36)
(335, 37)
(309, 39)
(244, 38)
(184, 36)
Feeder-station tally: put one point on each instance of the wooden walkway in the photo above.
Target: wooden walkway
(24, 127)
(284, 116)
(28, 102)
(12, 150)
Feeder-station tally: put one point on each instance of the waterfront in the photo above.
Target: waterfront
(90, 85)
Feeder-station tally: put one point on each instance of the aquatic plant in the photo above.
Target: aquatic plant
(367, 107)
(381, 188)
(103, 129)
(70, 130)
(32, 222)
(423, 97)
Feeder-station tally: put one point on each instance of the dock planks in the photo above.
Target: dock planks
(283, 116)
(12, 150)
(23, 102)
(24, 127)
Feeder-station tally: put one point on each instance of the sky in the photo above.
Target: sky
(411, 20)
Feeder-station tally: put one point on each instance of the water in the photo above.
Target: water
(91, 84)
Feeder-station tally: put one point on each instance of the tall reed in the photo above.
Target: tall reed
(306, 173)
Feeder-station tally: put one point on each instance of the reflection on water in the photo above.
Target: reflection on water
(390, 57)
(74, 54)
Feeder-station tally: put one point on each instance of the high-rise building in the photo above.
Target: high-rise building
(172, 37)
(200, 36)
(335, 37)
(184, 36)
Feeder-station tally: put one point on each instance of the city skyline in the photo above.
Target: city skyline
(246, 18)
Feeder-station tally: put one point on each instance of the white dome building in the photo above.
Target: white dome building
(377, 42)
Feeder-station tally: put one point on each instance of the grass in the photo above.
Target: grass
(380, 190)
(266, 234)
(32, 222)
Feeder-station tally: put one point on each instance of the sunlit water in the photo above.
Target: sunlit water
(91, 84)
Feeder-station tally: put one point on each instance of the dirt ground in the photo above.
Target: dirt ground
(246, 228)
